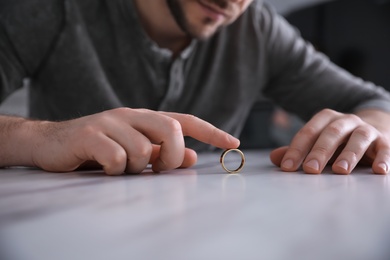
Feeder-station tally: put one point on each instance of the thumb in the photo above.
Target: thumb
(190, 156)
(277, 155)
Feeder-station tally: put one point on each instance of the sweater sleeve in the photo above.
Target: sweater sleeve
(28, 32)
(304, 81)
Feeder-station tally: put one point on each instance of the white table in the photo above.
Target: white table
(196, 213)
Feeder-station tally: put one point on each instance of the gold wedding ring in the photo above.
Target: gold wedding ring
(222, 160)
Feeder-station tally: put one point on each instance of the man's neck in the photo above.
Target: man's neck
(160, 25)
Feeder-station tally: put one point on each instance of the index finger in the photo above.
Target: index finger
(203, 131)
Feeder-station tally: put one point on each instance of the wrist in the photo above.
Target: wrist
(20, 140)
(377, 118)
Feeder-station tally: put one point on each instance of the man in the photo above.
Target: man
(88, 59)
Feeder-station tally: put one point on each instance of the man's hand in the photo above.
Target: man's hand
(120, 140)
(343, 140)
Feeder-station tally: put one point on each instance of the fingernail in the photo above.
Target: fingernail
(313, 164)
(343, 164)
(383, 166)
(288, 164)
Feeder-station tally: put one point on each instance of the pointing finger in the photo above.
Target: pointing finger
(203, 131)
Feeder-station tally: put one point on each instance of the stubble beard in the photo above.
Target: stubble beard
(181, 20)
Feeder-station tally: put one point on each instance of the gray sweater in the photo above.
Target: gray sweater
(86, 56)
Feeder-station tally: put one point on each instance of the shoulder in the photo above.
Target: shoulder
(270, 27)
(30, 14)
(36, 10)
(255, 27)
(30, 27)
(259, 18)
(263, 15)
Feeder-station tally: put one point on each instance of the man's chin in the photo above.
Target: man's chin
(203, 35)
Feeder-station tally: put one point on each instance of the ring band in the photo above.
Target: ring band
(222, 160)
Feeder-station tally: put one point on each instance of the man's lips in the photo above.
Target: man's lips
(213, 11)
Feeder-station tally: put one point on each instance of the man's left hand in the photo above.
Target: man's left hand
(342, 140)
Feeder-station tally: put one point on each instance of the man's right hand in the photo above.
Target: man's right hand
(120, 140)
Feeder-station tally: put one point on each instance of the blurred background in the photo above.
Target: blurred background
(355, 34)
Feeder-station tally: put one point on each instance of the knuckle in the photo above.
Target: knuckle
(354, 155)
(118, 157)
(365, 133)
(142, 110)
(174, 126)
(144, 151)
(190, 117)
(328, 112)
(353, 117)
(105, 118)
(89, 133)
(320, 150)
(296, 152)
(88, 130)
(335, 129)
(307, 131)
(123, 109)
(119, 110)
